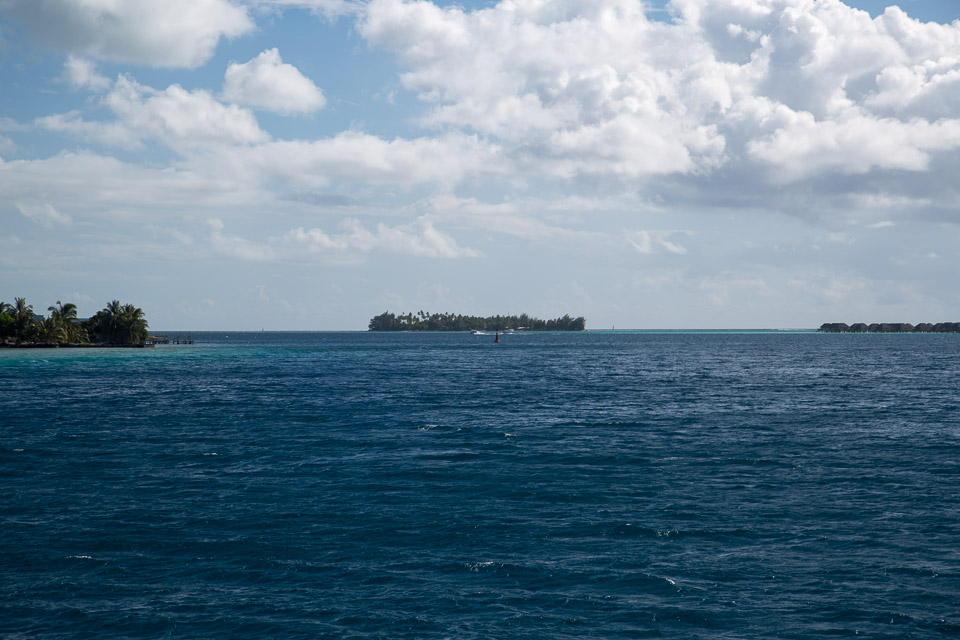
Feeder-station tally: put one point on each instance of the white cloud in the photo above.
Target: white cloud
(235, 246)
(103, 186)
(804, 147)
(113, 134)
(43, 213)
(82, 74)
(7, 145)
(516, 219)
(419, 238)
(568, 88)
(181, 118)
(329, 8)
(176, 117)
(353, 157)
(786, 91)
(267, 82)
(643, 241)
(172, 33)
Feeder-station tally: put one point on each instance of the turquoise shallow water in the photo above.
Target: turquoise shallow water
(440, 486)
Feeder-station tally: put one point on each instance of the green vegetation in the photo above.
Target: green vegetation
(455, 322)
(116, 324)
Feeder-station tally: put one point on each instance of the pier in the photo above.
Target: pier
(162, 338)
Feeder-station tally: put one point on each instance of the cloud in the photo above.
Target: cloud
(103, 186)
(516, 218)
(812, 108)
(354, 157)
(803, 147)
(82, 74)
(7, 145)
(235, 246)
(176, 117)
(329, 8)
(181, 118)
(419, 238)
(726, 288)
(266, 82)
(643, 241)
(43, 213)
(173, 33)
(769, 93)
(568, 88)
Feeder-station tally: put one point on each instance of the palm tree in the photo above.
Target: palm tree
(108, 321)
(121, 323)
(65, 315)
(6, 321)
(23, 319)
(134, 324)
(52, 331)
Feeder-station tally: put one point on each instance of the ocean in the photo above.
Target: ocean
(418, 485)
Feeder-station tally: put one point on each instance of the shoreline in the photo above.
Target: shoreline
(73, 345)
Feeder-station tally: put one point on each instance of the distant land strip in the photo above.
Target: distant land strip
(890, 327)
(425, 321)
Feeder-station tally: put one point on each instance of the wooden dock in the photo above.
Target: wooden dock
(162, 338)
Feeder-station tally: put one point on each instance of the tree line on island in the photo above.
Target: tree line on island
(115, 324)
(424, 321)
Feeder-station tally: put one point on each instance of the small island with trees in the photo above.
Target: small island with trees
(425, 321)
(116, 325)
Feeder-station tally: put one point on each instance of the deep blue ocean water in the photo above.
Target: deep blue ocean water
(593, 485)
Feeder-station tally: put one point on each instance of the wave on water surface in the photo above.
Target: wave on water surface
(592, 485)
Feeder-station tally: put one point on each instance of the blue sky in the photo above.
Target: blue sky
(307, 164)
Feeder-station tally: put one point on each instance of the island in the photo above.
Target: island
(116, 325)
(890, 327)
(423, 321)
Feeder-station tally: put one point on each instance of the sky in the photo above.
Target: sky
(308, 164)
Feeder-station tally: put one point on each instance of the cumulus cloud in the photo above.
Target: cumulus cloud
(266, 82)
(175, 117)
(804, 147)
(173, 33)
(570, 87)
(730, 104)
(181, 118)
(789, 90)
